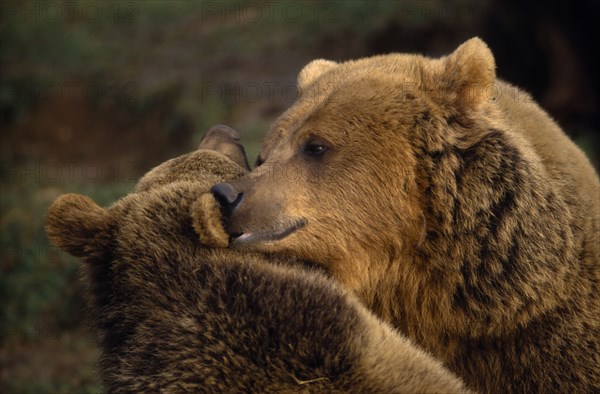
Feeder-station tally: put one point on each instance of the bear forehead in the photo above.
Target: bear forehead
(391, 69)
(205, 166)
(341, 96)
(363, 79)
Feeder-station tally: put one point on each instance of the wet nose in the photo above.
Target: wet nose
(227, 196)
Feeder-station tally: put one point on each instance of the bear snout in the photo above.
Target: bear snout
(228, 197)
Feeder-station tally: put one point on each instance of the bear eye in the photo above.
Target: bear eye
(314, 149)
(259, 161)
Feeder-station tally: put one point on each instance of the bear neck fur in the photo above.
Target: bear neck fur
(496, 246)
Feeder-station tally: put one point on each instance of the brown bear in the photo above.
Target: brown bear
(177, 316)
(449, 202)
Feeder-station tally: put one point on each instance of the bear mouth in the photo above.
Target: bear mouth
(249, 237)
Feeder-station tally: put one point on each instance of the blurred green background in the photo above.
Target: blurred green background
(95, 93)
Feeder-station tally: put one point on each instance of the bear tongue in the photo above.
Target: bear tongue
(243, 236)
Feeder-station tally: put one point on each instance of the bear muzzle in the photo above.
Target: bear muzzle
(228, 197)
(246, 238)
(247, 224)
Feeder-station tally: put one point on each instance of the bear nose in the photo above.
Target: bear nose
(227, 196)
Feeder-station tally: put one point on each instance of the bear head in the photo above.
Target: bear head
(400, 175)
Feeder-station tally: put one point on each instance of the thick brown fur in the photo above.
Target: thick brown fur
(177, 316)
(452, 205)
(206, 215)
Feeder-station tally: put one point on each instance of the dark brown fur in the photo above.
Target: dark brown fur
(177, 316)
(451, 204)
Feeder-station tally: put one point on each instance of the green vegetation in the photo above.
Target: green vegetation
(46, 347)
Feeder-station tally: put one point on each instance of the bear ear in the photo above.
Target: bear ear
(225, 140)
(207, 221)
(314, 70)
(469, 72)
(74, 223)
